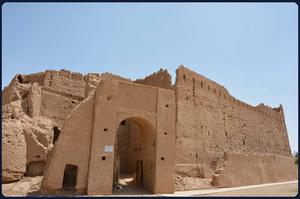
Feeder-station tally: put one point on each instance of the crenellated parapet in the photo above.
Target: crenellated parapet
(201, 85)
(211, 121)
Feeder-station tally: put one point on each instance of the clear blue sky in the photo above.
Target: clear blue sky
(251, 49)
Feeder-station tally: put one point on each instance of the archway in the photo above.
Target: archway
(134, 157)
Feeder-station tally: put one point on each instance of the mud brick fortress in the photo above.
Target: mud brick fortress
(83, 132)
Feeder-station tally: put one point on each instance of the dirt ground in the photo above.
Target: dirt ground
(27, 186)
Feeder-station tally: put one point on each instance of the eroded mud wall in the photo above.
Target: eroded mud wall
(241, 170)
(160, 79)
(73, 147)
(210, 122)
(33, 106)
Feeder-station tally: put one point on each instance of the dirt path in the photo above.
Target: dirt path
(272, 189)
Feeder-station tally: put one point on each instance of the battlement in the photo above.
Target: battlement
(209, 88)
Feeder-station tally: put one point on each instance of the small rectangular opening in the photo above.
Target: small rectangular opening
(70, 177)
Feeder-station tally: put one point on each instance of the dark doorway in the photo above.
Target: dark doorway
(70, 177)
(56, 132)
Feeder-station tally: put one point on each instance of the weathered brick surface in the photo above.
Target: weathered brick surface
(209, 121)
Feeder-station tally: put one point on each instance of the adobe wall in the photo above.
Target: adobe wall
(85, 136)
(210, 122)
(241, 170)
(72, 147)
(152, 109)
(48, 97)
(66, 89)
(59, 92)
(160, 79)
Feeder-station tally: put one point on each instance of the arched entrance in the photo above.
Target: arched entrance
(134, 158)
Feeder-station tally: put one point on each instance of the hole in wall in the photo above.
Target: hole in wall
(56, 132)
(123, 122)
(165, 133)
(35, 168)
(24, 95)
(22, 80)
(244, 142)
(105, 129)
(70, 177)
(162, 158)
(201, 83)
(167, 105)
(103, 158)
(183, 77)
(110, 96)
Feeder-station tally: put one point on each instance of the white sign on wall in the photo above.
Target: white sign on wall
(108, 149)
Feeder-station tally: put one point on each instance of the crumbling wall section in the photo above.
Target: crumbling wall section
(65, 83)
(34, 100)
(160, 79)
(91, 83)
(32, 105)
(241, 170)
(24, 140)
(210, 122)
(62, 91)
(16, 90)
